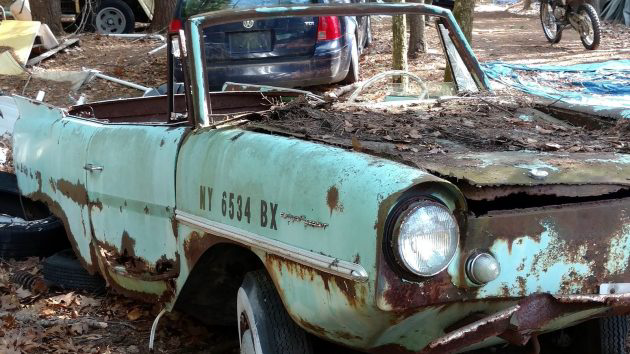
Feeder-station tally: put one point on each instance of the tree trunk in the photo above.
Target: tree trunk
(527, 5)
(162, 15)
(48, 12)
(417, 43)
(399, 44)
(463, 12)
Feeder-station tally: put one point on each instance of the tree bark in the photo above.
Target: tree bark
(463, 12)
(162, 15)
(417, 43)
(399, 44)
(48, 12)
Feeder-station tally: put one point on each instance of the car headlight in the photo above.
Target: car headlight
(425, 238)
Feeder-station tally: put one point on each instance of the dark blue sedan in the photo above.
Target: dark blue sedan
(287, 52)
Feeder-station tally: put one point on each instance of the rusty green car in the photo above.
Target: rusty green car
(178, 200)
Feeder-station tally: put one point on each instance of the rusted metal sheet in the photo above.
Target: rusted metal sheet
(513, 168)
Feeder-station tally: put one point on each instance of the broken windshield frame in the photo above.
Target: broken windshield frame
(196, 61)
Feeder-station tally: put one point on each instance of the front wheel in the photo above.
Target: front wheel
(264, 326)
(589, 30)
(552, 31)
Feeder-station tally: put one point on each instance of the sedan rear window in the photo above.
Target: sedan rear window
(194, 7)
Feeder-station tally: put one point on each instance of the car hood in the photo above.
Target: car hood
(523, 168)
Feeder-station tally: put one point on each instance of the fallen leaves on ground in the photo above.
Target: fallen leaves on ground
(74, 322)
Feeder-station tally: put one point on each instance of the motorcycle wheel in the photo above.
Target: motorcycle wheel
(552, 31)
(590, 31)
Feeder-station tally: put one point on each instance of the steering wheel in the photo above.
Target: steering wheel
(380, 76)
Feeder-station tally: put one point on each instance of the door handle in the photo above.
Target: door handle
(92, 168)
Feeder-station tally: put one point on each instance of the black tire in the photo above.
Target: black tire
(120, 9)
(8, 183)
(589, 10)
(552, 38)
(368, 34)
(37, 234)
(613, 334)
(64, 270)
(260, 311)
(353, 68)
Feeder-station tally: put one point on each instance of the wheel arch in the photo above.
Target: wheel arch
(210, 289)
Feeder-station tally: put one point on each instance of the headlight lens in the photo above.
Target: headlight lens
(425, 238)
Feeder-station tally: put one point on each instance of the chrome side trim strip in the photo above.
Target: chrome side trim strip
(321, 262)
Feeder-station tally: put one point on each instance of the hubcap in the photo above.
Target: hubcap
(247, 336)
(110, 20)
(247, 343)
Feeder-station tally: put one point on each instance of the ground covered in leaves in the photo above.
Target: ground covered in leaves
(38, 319)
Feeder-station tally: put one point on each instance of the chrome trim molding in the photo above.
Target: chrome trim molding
(318, 261)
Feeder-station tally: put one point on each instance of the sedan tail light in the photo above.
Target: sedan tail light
(328, 28)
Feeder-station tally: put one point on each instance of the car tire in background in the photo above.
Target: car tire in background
(38, 234)
(353, 69)
(64, 270)
(263, 323)
(112, 17)
(614, 334)
(368, 35)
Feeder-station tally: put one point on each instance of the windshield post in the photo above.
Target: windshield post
(195, 58)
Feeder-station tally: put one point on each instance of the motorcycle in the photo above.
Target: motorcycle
(556, 15)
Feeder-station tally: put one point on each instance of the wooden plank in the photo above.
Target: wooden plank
(38, 59)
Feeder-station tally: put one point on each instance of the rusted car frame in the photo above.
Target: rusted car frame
(199, 194)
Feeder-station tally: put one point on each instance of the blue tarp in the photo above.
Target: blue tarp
(600, 85)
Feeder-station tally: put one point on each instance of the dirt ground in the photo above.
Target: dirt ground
(47, 320)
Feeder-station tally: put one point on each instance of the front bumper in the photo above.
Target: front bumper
(554, 262)
(534, 314)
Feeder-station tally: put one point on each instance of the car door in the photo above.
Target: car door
(131, 180)
(50, 154)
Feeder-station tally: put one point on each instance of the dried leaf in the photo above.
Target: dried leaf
(542, 130)
(134, 314)
(414, 134)
(23, 293)
(553, 146)
(356, 144)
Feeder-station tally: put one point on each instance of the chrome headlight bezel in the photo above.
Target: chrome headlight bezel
(402, 214)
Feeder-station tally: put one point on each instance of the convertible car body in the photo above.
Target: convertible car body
(178, 200)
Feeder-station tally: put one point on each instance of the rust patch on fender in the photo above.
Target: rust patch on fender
(75, 192)
(127, 245)
(38, 176)
(332, 199)
(197, 244)
(355, 297)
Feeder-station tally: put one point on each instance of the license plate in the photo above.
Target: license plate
(250, 42)
(614, 288)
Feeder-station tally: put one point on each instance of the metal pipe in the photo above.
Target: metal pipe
(122, 82)
(136, 36)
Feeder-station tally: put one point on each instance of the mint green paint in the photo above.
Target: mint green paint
(198, 74)
(137, 202)
(619, 252)
(47, 142)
